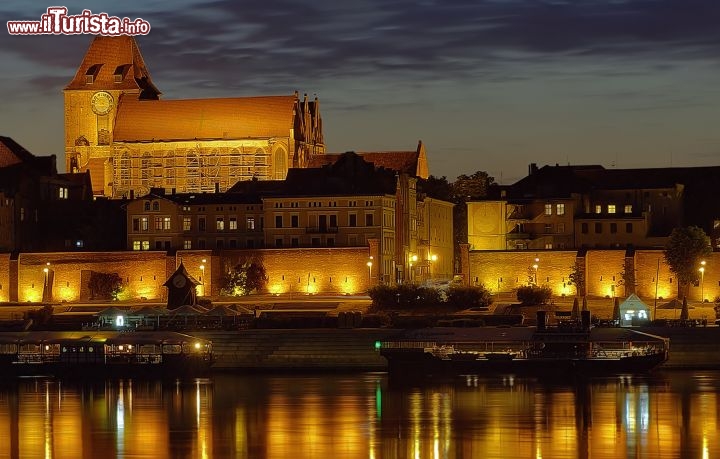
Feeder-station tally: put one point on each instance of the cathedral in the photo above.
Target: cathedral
(118, 128)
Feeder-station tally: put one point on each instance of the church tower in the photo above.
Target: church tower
(112, 68)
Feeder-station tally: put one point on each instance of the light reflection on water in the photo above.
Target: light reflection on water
(362, 416)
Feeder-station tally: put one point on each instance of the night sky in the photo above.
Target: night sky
(487, 85)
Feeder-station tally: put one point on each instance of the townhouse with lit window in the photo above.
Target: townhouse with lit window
(43, 211)
(349, 203)
(574, 207)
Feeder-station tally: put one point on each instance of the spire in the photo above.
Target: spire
(114, 63)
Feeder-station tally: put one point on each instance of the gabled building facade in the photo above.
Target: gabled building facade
(43, 211)
(574, 207)
(118, 128)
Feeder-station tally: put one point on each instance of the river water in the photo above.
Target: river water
(666, 415)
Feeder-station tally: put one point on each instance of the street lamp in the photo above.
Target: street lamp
(369, 265)
(433, 259)
(413, 259)
(702, 281)
(202, 275)
(535, 267)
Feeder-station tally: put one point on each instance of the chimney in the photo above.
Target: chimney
(132, 194)
(217, 187)
(532, 169)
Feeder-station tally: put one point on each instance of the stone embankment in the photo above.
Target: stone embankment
(353, 349)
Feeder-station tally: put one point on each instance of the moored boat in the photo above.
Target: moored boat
(524, 350)
(103, 353)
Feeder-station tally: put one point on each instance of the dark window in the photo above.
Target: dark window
(331, 242)
(201, 223)
(219, 243)
(278, 243)
(353, 220)
(628, 228)
(598, 228)
(278, 221)
(584, 228)
(156, 205)
(201, 243)
(295, 242)
(167, 245)
(158, 245)
(233, 243)
(136, 224)
(368, 220)
(333, 221)
(147, 205)
(316, 242)
(294, 221)
(250, 244)
(613, 228)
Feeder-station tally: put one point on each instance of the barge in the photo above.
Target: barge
(538, 351)
(103, 353)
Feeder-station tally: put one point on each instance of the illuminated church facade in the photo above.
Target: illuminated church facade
(130, 140)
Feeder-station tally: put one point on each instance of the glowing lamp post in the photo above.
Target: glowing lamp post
(202, 276)
(702, 281)
(433, 258)
(369, 265)
(413, 259)
(535, 268)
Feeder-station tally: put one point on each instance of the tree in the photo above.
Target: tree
(105, 286)
(436, 187)
(243, 279)
(577, 278)
(532, 295)
(683, 253)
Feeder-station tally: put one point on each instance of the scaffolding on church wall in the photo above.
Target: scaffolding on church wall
(192, 169)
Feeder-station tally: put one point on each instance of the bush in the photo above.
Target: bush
(105, 286)
(406, 296)
(532, 295)
(469, 297)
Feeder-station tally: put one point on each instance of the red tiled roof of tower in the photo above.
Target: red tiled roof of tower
(108, 56)
(412, 163)
(204, 119)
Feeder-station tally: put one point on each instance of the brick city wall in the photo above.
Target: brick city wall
(505, 271)
(336, 270)
(142, 272)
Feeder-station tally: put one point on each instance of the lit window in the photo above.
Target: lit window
(146, 245)
(598, 209)
(136, 245)
(548, 209)
(166, 223)
(187, 223)
(22, 214)
(219, 224)
(628, 208)
(611, 208)
(233, 223)
(158, 223)
(548, 245)
(144, 223)
(560, 209)
(251, 223)
(63, 193)
(187, 245)
(79, 243)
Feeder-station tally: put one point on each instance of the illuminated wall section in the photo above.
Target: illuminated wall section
(338, 270)
(4, 277)
(143, 274)
(487, 227)
(603, 270)
(505, 271)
